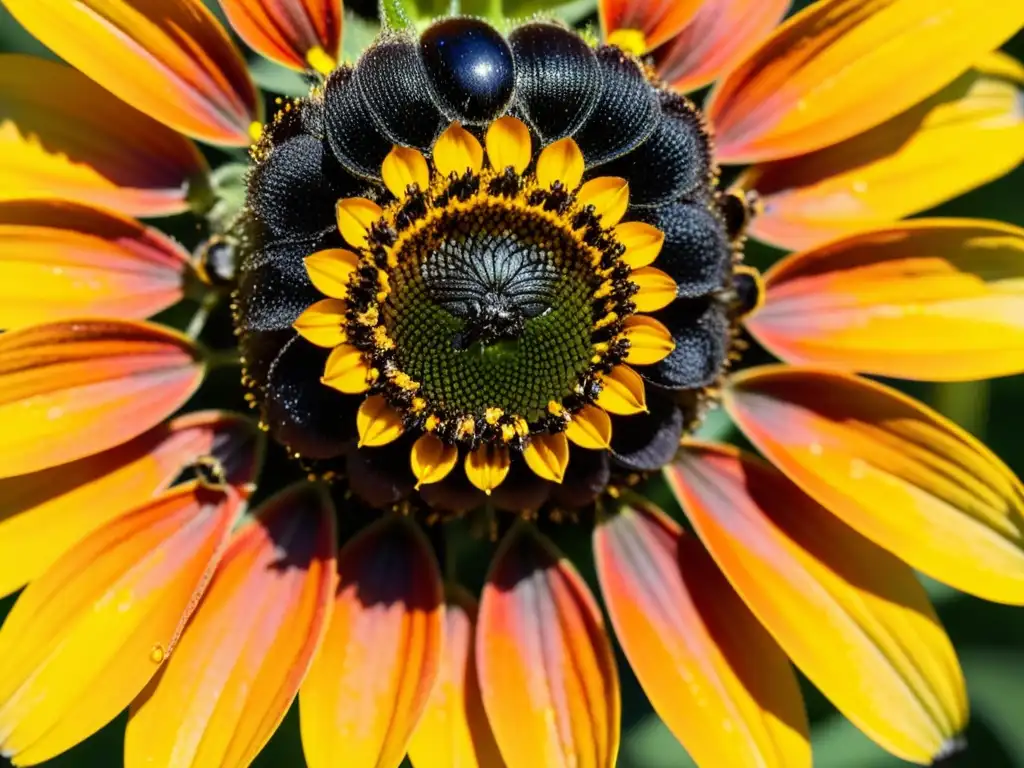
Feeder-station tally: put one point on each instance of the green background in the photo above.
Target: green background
(989, 638)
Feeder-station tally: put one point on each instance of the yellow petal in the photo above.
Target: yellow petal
(381, 655)
(590, 427)
(649, 340)
(355, 215)
(331, 270)
(548, 456)
(70, 664)
(712, 673)
(453, 731)
(172, 61)
(561, 161)
(116, 157)
(43, 514)
(487, 466)
(323, 323)
(402, 168)
(457, 151)
(74, 388)
(508, 144)
(347, 371)
(622, 392)
(298, 34)
(967, 134)
(850, 615)
(892, 469)
(657, 289)
(432, 460)
(610, 197)
(377, 422)
(229, 682)
(642, 242)
(931, 299)
(816, 81)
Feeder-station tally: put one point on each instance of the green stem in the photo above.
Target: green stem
(206, 306)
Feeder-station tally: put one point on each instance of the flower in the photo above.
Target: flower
(495, 281)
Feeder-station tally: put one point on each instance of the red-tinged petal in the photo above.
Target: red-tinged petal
(718, 38)
(72, 389)
(816, 80)
(453, 731)
(547, 674)
(658, 20)
(168, 58)
(246, 651)
(932, 299)
(382, 653)
(850, 615)
(301, 34)
(711, 672)
(891, 468)
(60, 260)
(43, 514)
(86, 637)
(73, 140)
(970, 132)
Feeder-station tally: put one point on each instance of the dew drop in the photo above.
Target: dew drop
(157, 654)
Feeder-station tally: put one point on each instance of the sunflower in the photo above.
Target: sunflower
(481, 287)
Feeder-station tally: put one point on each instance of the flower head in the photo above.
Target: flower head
(486, 283)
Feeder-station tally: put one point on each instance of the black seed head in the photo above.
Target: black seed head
(470, 68)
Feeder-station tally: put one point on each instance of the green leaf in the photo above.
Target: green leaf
(274, 78)
(399, 14)
(572, 12)
(358, 34)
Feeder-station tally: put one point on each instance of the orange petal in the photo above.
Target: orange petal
(622, 392)
(816, 80)
(86, 637)
(172, 61)
(851, 616)
(381, 656)
(548, 456)
(718, 37)
(711, 672)
(43, 514)
(658, 20)
(60, 260)
(967, 134)
(72, 389)
(453, 730)
(300, 34)
(115, 156)
(938, 299)
(547, 674)
(244, 654)
(899, 473)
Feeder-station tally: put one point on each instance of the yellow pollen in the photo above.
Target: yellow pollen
(508, 432)
(418, 404)
(522, 427)
(432, 423)
(491, 415)
(320, 60)
(605, 321)
(369, 317)
(555, 408)
(255, 130)
(630, 40)
(467, 426)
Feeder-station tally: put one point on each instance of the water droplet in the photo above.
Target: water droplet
(816, 449)
(157, 654)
